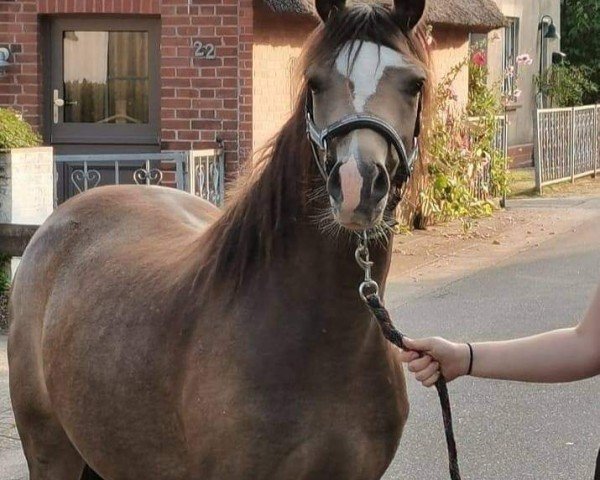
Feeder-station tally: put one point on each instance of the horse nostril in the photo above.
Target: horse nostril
(334, 184)
(381, 183)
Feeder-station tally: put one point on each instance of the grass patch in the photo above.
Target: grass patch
(582, 186)
(522, 183)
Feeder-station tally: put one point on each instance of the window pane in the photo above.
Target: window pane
(106, 77)
(511, 50)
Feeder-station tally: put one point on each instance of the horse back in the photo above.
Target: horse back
(101, 283)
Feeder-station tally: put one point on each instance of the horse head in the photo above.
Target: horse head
(365, 75)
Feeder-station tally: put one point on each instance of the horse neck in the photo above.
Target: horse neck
(333, 259)
(319, 274)
(269, 236)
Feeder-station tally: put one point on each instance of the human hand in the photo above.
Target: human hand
(452, 357)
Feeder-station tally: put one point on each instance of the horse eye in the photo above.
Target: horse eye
(417, 86)
(315, 84)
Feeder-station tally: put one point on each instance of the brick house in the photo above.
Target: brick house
(127, 76)
(132, 75)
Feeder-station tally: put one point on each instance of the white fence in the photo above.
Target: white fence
(566, 144)
(200, 172)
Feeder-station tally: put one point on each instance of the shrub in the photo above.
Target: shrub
(459, 149)
(4, 275)
(4, 282)
(567, 85)
(15, 132)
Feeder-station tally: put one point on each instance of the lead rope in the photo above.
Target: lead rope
(369, 293)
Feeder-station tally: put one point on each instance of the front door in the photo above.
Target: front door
(103, 85)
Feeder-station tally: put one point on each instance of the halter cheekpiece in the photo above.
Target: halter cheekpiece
(320, 139)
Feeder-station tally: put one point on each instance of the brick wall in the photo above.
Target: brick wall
(202, 99)
(278, 40)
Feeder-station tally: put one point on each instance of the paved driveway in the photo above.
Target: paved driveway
(12, 461)
(507, 431)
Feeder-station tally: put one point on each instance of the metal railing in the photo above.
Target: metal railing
(482, 181)
(200, 172)
(566, 144)
(207, 175)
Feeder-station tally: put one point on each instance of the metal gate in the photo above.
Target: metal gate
(483, 178)
(200, 172)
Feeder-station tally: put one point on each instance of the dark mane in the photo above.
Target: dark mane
(270, 201)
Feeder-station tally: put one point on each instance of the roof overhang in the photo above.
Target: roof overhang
(478, 16)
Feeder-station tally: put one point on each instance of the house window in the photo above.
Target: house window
(106, 77)
(511, 51)
(478, 42)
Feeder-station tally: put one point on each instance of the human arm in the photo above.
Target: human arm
(563, 355)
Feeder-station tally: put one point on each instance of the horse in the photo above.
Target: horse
(154, 336)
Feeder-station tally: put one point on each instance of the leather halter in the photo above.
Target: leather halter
(319, 139)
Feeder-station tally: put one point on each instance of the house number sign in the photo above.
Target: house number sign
(204, 50)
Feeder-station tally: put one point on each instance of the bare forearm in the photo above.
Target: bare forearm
(557, 356)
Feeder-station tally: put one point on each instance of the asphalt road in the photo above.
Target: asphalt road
(507, 430)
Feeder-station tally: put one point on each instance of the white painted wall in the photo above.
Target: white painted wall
(26, 187)
(529, 12)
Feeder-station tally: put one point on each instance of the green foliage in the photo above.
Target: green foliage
(580, 39)
(460, 149)
(482, 99)
(567, 85)
(4, 274)
(15, 132)
(4, 282)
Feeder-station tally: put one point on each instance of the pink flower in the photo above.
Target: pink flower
(524, 59)
(479, 59)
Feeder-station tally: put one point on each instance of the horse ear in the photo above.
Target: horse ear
(409, 12)
(327, 7)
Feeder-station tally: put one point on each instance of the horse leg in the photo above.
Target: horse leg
(49, 452)
(89, 474)
(50, 455)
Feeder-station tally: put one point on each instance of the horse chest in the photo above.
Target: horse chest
(287, 408)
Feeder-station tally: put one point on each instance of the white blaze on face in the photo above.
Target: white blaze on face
(366, 69)
(351, 184)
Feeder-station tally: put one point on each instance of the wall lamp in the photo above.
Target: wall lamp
(547, 23)
(547, 32)
(4, 56)
(558, 58)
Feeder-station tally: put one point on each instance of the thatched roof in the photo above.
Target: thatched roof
(473, 15)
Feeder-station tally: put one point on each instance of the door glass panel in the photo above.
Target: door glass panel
(105, 77)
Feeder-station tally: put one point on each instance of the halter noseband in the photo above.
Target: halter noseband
(319, 139)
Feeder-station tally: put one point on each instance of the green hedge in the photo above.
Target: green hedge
(16, 133)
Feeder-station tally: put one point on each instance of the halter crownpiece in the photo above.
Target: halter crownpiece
(319, 139)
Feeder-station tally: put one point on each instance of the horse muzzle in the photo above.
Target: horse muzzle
(358, 193)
